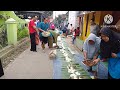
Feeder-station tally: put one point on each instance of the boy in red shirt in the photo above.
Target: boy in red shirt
(76, 32)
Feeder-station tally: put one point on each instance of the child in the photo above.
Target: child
(76, 32)
(74, 36)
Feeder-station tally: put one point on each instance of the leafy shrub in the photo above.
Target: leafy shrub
(22, 33)
(21, 25)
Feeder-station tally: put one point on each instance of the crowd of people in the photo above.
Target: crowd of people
(36, 31)
(103, 45)
(70, 30)
(100, 45)
(40, 28)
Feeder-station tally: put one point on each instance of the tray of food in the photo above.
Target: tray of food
(88, 62)
(45, 34)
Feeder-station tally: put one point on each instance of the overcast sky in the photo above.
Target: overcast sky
(56, 13)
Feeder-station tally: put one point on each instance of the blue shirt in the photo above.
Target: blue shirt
(43, 26)
(114, 66)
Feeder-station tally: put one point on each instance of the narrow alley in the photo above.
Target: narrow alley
(59, 44)
(37, 65)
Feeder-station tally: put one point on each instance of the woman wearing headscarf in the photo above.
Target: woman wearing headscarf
(91, 48)
(53, 38)
(110, 49)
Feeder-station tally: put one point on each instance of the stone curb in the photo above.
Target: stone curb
(9, 50)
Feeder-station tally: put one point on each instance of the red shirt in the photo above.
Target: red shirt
(31, 29)
(77, 32)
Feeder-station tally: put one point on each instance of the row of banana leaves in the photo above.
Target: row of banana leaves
(70, 69)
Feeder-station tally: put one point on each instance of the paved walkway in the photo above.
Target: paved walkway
(36, 65)
(30, 65)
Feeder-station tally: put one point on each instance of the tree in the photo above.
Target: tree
(47, 13)
(61, 18)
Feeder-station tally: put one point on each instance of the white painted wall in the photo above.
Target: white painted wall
(72, 18)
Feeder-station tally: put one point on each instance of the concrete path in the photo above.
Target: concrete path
(30, 65)
(37, 65)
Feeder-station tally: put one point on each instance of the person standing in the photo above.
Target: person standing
(33, 30)
(64, 30)
(37, 22)
(94, 28)
(67, 29)
(71, 29)
(75, 34)
(42, 27)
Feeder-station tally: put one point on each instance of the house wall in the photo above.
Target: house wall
(72, 18)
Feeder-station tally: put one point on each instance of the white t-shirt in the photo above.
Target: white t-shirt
(73, 33)
(68, 26)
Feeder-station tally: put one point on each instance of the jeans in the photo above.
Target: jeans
(73, 39)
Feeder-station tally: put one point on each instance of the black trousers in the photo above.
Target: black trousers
(1, 69)
(44, 40)
(33, 43)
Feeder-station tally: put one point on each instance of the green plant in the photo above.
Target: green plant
(22, 33)
(1, 47)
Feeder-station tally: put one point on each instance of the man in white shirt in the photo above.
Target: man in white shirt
(71, 29)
